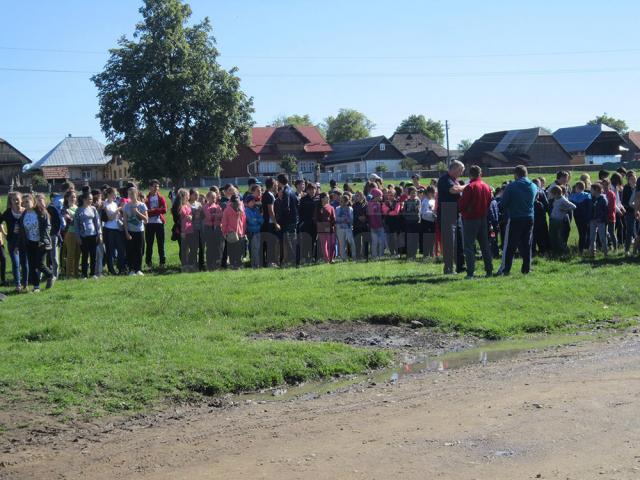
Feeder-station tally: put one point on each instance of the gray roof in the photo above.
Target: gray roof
(74, 151)
(409, 143)
(13, 156)
(507, 143)
(353, 150)
(579, 139)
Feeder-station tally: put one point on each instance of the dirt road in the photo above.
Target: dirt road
(564, 413)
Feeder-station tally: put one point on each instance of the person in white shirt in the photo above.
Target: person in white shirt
(427, 221)
(113, 234)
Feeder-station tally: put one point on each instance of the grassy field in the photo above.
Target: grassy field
(127, 343)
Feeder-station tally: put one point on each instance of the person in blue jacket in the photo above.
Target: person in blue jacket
(518, 204)
(255, 220)
(582, 214)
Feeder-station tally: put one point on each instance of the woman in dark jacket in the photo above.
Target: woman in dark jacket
(15, 247)
(35, 234)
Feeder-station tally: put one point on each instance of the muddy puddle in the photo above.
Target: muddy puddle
(411, 363)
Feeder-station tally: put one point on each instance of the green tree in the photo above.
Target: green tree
(617, 124)
(432, 129)
(347, 125)
(295, 120)
(464, 145)
(289, 163)
(381, 168)
(166, 105)
(408, 163)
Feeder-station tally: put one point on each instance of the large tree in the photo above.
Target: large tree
(166, 105)
(348, 125)
(617, 124)
(464, 145)
(295, 120)
(432, 129)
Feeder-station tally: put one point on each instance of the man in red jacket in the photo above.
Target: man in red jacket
(157, 206)
(474, 206)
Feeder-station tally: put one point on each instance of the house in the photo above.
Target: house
(364, 156)
(633, 144)
(80, 159)
(592, 144)
(270, 144)
(12, 162)
(508, 148)
(421, 148)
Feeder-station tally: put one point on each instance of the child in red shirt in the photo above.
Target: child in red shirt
(611, 212)
(326, 228)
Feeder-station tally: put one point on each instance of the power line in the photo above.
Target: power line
(355, 57)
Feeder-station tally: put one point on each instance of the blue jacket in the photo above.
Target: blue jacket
(254, 219)
(493, 215)
(584, 206)
(518, 198)
(600, 211)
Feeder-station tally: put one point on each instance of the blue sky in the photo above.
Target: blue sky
(484, 66)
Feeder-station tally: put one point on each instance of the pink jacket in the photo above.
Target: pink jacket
(212, 215)
(233, 221)
(186, 226)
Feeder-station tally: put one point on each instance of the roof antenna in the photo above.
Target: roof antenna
(69, 135)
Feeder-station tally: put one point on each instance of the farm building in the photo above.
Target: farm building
(421, 148)
(531, 147)
(365, 156)
(80, 159)
(268, 147)
(12, 162)
(592, 144)
(633, 145)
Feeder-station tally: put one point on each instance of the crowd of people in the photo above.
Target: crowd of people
(92, 232)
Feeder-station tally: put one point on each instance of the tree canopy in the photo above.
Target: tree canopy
(166, 105)
(432, 129)
(295, 120)
(464, 145)
(617, 124)
(348, 125)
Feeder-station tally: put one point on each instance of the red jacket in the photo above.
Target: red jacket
(611, 206)
(475, 201)
(157, 212)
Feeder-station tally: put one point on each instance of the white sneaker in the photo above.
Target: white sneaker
(131, 274)
(139, 273)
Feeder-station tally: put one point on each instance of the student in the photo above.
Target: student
(157, 206)
(344, 228)
(411, 221)
(3, 258)
(307, 226)
(559, 220)
(113, 234)
(610, 195)
(473, 206)
(376, 226)
(630, 225)
(70, 244)
(360, 227)
(449, 192)
(518, 202)
(391, 208)
(35, 231)
(288, 219)
(582, 214)
(189, 240)
(88, 232)
(541, 242)
(616, 188)
(212, 231)
(598, 222)
(57, 225)
(428, 221)
(196, 220)
(134, 218)
(100, 248)
(17, 253)
(326, 227)
(270, 227)
(233, 229)
(254, 226)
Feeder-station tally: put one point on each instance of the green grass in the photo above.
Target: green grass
(126, 343)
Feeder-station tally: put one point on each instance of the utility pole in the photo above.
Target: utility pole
(446, 130)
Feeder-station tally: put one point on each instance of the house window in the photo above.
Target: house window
(306, 166)
(86, 175)
(383, 146)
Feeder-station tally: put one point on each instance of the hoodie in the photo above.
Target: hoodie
(518, 198)
(584, 205)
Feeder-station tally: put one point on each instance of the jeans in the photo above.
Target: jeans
(518, 236)
(583, 235)
(88, 248)
(114, 242)
(362, 240)
(428, 237)
(134, 251)
(557, 233)
(412, 241)
(255, 247)
(54, 255)
(289, 242)
(236, 251)
(37, 266)
(377, 243)
(19, 264)
(476, 229)
(3, 265)
(154, 231)
(271, 245)
(306, 240)
(326, 246)
(630, 229)
(214, 245)
(598, 230)
(73, 255)
(345, 237)
(451, 232)
(189, 251)
(99, 264)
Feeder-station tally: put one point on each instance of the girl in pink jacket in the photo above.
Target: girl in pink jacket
(234, 224)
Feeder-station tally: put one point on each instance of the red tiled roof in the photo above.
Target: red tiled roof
(634, 137)
(264, 139)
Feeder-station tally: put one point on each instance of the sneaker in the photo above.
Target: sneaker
(36, 290)
(139, 273)
(95, 277)
(131, 274)
(50, 282)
